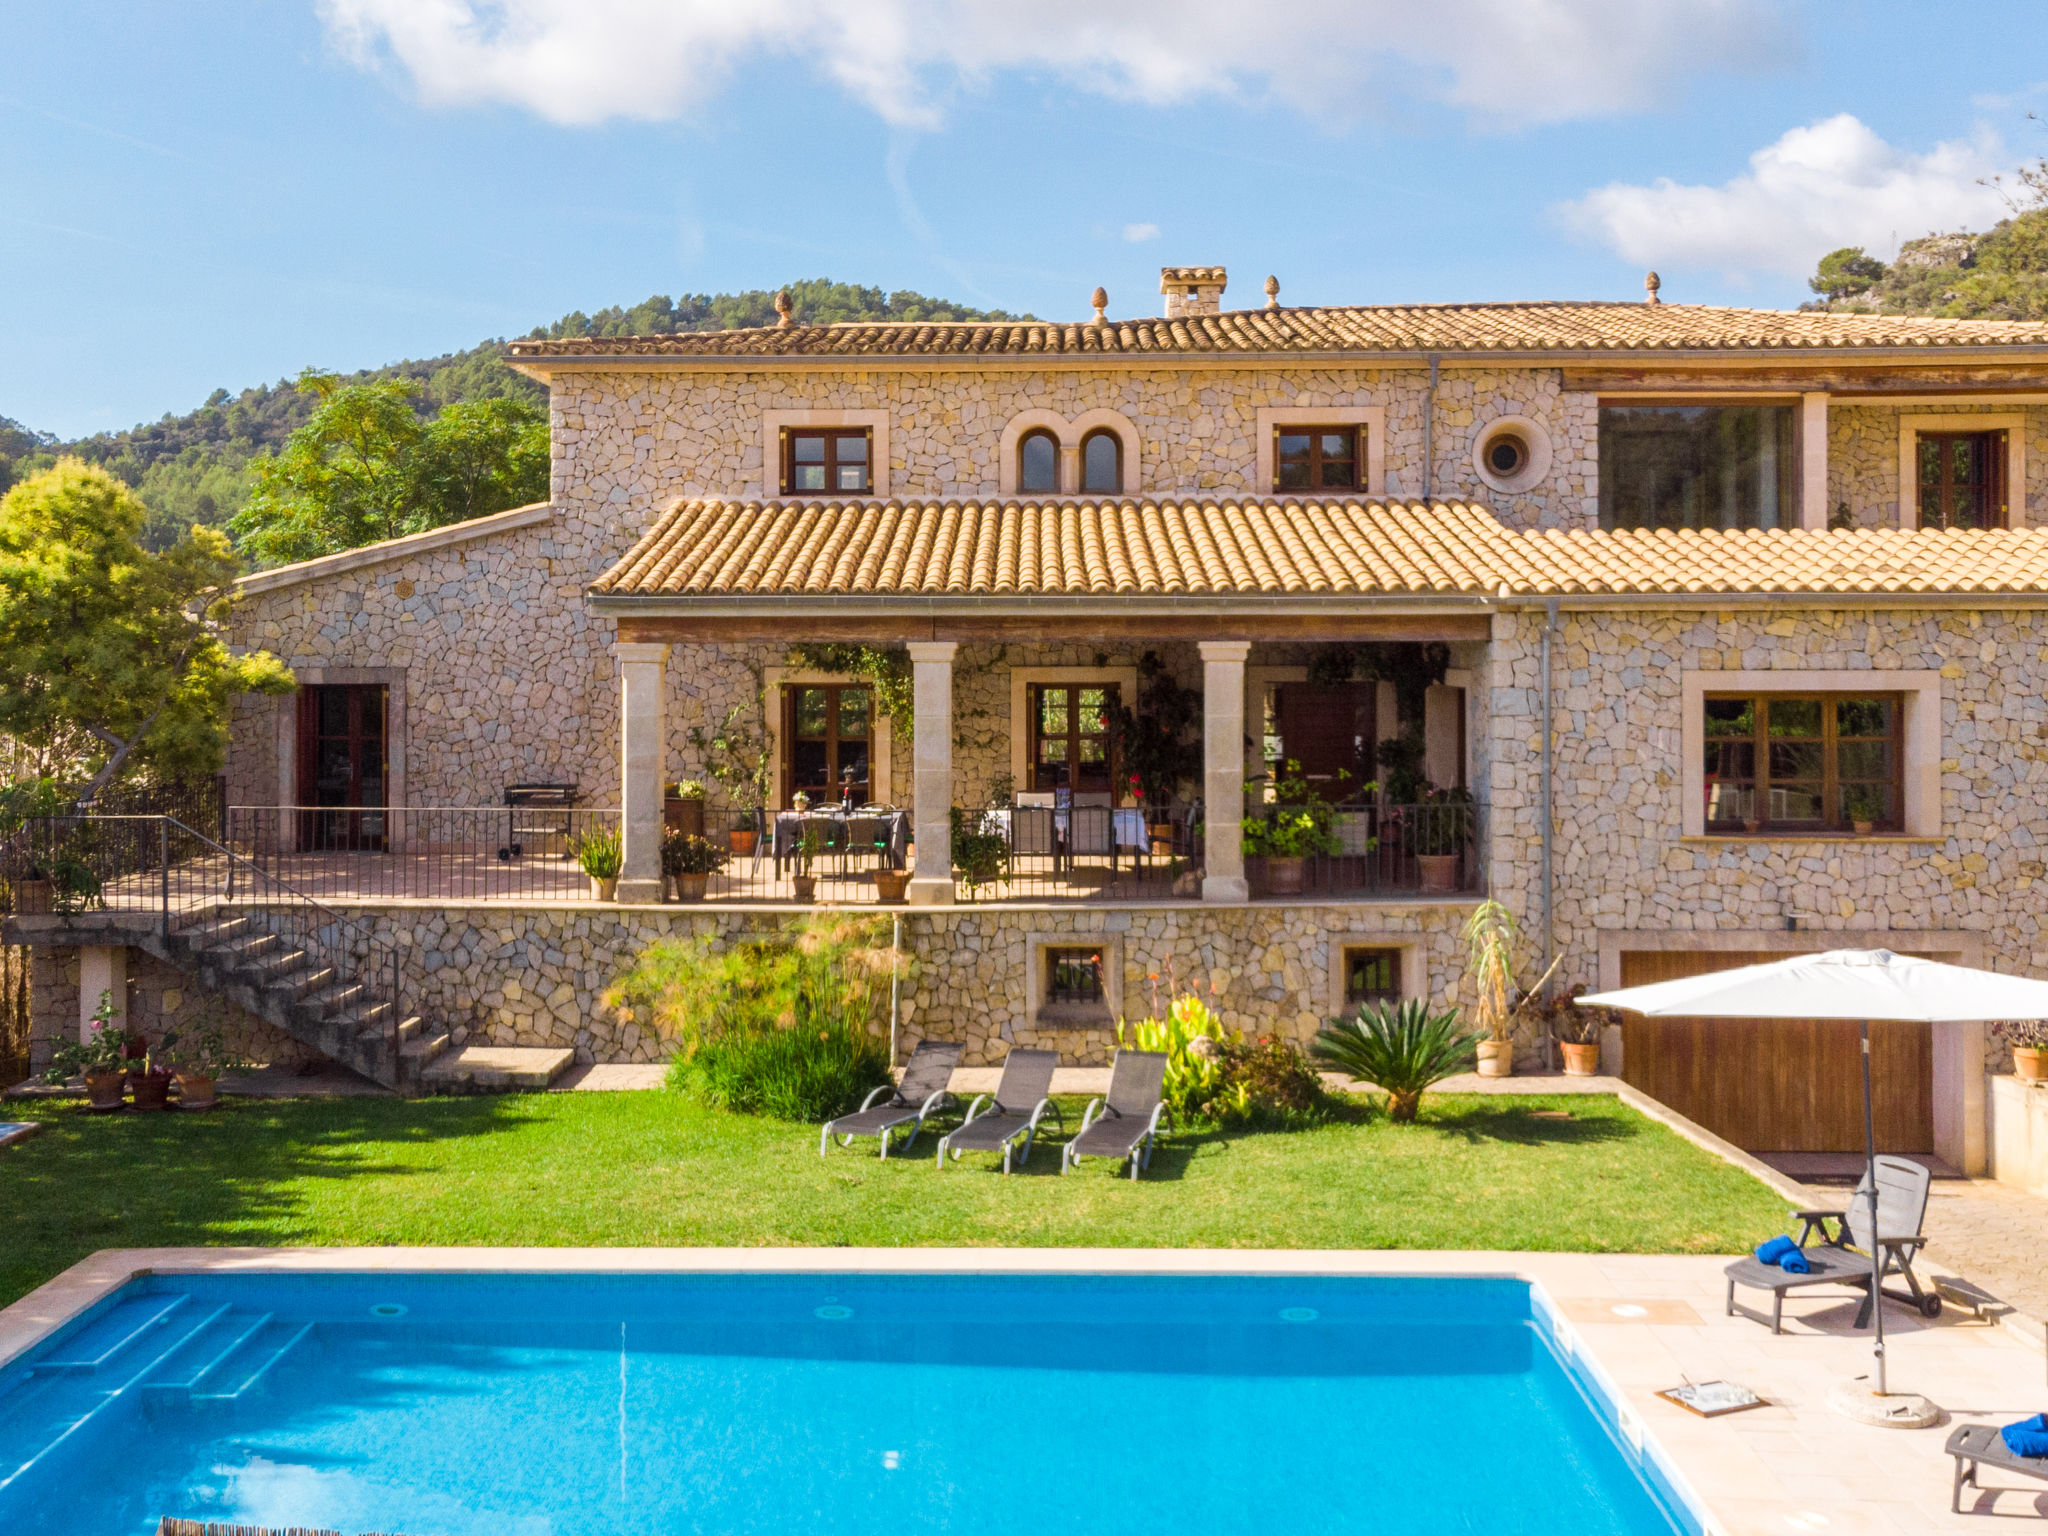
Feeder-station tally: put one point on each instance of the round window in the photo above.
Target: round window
(1507, 455)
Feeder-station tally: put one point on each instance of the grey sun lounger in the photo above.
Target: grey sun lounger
(922, 1094)
(1021, 1100)
(1124, 1124)
(1973, 1445)
(1901, 1210)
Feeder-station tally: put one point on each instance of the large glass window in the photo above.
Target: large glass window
(1070, 746)
(1038, 462)
(826, 463)
(829, 736)
(1698, 466)
(1803, 762)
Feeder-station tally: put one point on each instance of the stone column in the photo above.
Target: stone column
(1813, 460)
(643, 733)
(931, 878)
(101, 968)
(1223, 769)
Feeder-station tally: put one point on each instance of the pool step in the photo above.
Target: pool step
(207, 1359)
(248, 1365)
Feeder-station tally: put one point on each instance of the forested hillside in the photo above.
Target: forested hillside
(194, 468)
(2001, 274)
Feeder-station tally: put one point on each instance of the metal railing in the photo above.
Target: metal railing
(1075, 853)
(1375, 849)
(430, 853)
(189, 882)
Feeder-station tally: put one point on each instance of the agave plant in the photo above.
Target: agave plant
(1404, 1048)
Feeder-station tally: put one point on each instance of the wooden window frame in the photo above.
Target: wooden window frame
(832, 738)
(1993, 495)
(1024, 443)
(1761, 778)
(1034, 694)
(833, 437)
(1116, 438)
(1315, 431)
(1393, 994)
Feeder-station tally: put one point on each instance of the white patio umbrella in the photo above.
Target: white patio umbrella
(1860, 984)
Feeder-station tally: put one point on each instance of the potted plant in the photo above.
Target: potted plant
(159, 1071)
(809, 844)
(981, 851)
(32, 893)
(1298, 828)
(1864, 806)
(601, 855)
(891, 885)
(1444, 825)
(683, 809)
(1577, 1031)
(101, 1059)
(2029, 1039)
(690, 862)
(199, 1057)
(1492, 938)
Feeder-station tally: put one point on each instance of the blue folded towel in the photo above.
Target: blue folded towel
(1794, 1263)
(1774, 1250)
(2029, 1437)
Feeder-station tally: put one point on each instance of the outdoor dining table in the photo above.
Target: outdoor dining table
(892, 850)
(1127, 824)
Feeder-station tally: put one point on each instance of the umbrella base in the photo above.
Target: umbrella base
(1860, 1401)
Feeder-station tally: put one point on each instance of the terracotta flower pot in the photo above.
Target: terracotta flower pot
(103, 1090)
(31, 897)
(195, 1091)
(604, 890)
(1439, 872)
(1284, 876)
(890, 885)
(691, 887)
(1580, 1060)
(153, 1090)
(805, 886)
(1863, 828)
(2030, 1063)
(1496, 1058)
(741, 842)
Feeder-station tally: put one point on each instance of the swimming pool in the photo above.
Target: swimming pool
(848, 1404)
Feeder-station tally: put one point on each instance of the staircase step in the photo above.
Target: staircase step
(253, 1363)
(105, 1340)
(204, 1357)
(496, 1068)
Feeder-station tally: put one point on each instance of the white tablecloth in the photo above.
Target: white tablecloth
(1127, 824)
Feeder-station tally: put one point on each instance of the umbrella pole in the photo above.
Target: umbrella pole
(1876, 1246)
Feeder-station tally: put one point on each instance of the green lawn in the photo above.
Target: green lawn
(655, 1168)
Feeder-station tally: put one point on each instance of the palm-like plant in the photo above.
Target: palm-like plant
(1403, 1048)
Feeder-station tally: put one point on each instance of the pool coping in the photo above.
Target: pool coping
(1710, 1469)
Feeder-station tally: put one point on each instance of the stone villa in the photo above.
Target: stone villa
(1777, 583)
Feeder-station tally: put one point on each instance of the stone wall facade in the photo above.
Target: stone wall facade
(160, 998)
(1863, 462)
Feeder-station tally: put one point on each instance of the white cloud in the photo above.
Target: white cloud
(1502, 61)
(1816, 189)
(1138, 233)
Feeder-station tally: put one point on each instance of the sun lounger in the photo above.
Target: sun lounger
(1901, 1210)
(1124, 1123)
(1022, 1099)
(1981, 1444)
(922, 1094)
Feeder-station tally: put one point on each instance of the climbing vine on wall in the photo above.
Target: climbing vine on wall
(886, 669)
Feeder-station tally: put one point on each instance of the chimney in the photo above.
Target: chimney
(1192, 290)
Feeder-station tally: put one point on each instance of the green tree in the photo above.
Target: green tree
(482, 456)
(1845, 273)
(103, 641)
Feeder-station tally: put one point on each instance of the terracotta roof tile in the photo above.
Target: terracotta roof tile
(1164, 547)
(1452, 328)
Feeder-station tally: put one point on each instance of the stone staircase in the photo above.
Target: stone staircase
(236, 953)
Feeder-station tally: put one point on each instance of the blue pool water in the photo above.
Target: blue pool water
(571, 1405)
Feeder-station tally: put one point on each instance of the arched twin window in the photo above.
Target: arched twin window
(1038, 463)
(1102, 463)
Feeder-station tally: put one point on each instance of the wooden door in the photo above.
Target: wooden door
(1329, 731)
(341, 752)
(1778, 1085)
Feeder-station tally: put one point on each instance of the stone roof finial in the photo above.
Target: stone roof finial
(1651, 283)
(1100, 299)
(782, 308)
(1272, 292)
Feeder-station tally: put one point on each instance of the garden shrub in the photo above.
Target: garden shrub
(790, 1025)
(1213, 1076)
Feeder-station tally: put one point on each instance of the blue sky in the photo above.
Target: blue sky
(214, 194)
